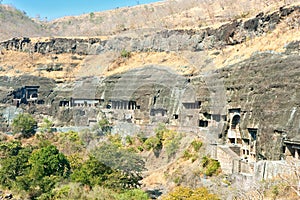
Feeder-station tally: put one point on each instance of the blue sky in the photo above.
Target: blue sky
(58, 8)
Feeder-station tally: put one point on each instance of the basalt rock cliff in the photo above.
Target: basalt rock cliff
(263, 89)
(235, 32)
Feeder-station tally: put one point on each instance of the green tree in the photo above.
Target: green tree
(35, 171)
(25, 124)
(126, 165)
(9, 148)
(110, 167)
(48, 166)
(156, 142)
(92, 15)
(160, 130)
(13, 163)
(70, 142)
(49, 161)
(164, 138)
(91, 173)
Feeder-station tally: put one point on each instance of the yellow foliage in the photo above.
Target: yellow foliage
(190, 194)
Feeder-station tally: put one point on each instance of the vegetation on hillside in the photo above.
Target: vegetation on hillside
(34, 170)
(178, 14)
(51, 163)
(48, 165)
(166, 138)
(162, 15)
(24, 124)
(44, 172)
(210, 166)
(72, 165)
(190, 194)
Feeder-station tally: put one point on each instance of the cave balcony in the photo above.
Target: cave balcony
(234, 133)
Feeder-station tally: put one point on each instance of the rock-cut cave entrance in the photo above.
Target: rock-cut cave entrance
(235, 122)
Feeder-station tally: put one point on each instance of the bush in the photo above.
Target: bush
(128, 140)
(135, 194)
(210, 166)
(125, 53)
(190, 194)
(104, 126)
(46, 127)
(152, 143)
(25, 124)
(77, 191)
(70, 143)
(141, 137)
(192, 151)
(115, 139)
(92, 15)
(172, 146)
(171, 141)
(140, 148)
(160, 130)
(196, 144)
(164, 138)
(187, 155)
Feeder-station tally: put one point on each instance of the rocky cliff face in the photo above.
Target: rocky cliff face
(264, 88)
(231, 33)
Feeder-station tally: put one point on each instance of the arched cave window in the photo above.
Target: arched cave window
(235, 121)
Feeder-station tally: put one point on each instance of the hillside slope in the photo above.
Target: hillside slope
(170, 14)
(15, 23)
(136, 20)
(186, 51)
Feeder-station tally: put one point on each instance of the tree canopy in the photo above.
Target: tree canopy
(34, 170)
(112, 167)
(25, 124)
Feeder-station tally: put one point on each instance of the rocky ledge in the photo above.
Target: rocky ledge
(231, 33)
